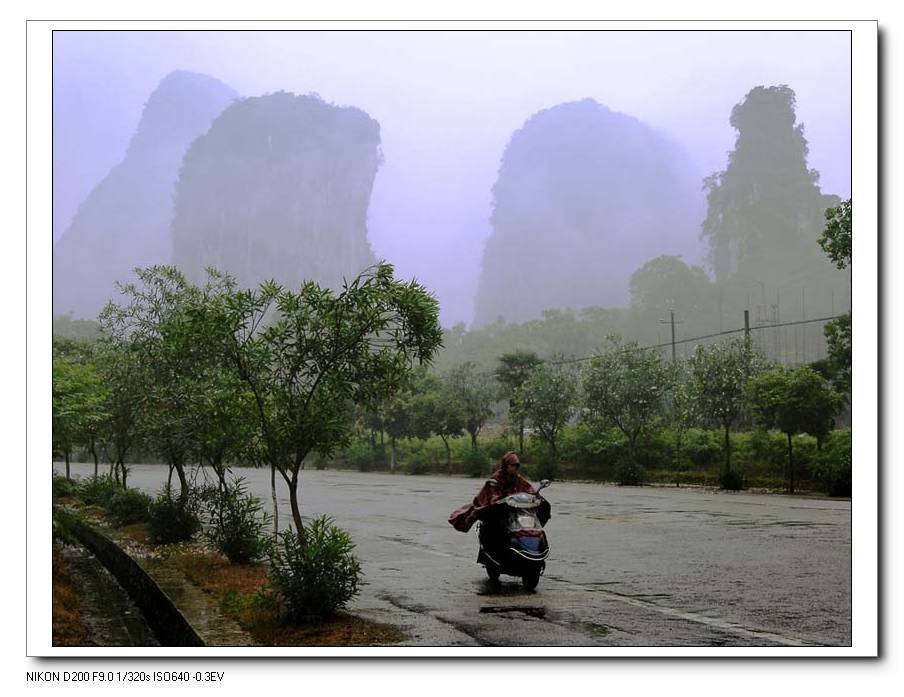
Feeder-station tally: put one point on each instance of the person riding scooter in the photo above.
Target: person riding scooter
(504, 481)
(511, 515)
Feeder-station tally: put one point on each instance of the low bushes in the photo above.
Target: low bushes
(63, 487)
(236, 523)
(173, 518)
(317, 574)
(129, 506)
(97, 491)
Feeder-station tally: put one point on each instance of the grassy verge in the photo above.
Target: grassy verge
(242, 594)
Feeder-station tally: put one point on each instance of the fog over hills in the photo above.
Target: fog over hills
(125, 220)
(583, 197)
(278, 188)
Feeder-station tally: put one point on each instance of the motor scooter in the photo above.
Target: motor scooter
(512, 539)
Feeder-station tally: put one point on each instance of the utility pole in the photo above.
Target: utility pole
(747, 329)
(671, 320)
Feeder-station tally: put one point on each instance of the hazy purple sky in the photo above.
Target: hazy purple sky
(447, 103)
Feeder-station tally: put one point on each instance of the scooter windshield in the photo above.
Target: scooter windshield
(523, 519)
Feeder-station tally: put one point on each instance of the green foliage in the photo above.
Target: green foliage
(418, 466)
(473, 393)
(838, 340)
(763, 210)
(476, 463)
(731, 480)
(307, 356)
(667, 283)
(836, 240)
(174, 518)
(314, 571)
(63, 488)
(703, 448)
(718, 384)
(236, 523)
(792, 401)
(129, 506)
(548, 399)
(628, 473)
(78, 397)
(98, 491)
(626, 387)
(832, 468)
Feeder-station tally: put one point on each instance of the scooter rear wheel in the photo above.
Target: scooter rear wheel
(530, 580)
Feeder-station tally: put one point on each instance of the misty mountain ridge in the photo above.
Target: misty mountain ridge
(279, 187)
(583, 197)
(125, 220)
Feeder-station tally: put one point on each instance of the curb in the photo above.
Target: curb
(165, 620)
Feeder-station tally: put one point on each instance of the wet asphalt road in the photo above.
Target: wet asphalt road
(629, 566)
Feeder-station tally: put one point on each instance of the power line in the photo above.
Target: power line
(727, 332)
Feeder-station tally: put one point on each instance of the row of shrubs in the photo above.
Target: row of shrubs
(313, 575)
(759, 458)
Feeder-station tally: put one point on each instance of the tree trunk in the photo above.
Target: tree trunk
(169, 479)
(790, 465)
(521, 437)
(275, 503)
(183, 481)
(727, 452)
(66, 457)
(448, 453)
(677, 463)
(392, 453)
(473, 435)
(94, 454)
(293, 501)
(125, 473)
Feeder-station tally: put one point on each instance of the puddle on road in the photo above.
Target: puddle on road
(535, 612)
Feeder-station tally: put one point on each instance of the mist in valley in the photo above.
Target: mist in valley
(549, 188)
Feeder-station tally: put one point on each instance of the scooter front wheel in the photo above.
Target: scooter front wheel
(530, 579)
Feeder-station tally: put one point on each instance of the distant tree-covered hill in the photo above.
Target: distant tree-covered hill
(278, 188)
(584, 196)
(125, 221)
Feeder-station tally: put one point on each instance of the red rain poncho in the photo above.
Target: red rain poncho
(497, 486)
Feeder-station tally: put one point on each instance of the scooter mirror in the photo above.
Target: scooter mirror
(543, 484)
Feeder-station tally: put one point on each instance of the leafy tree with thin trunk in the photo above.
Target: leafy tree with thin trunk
(550, 400)
(682, 411)
(625, 387)
(719, 375)
(306, 356)
(512, 371)
(474, 392)
(78, 397)
(793, 401)
(152, 320)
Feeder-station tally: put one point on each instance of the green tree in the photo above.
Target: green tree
(719, 375)
(512, 371)
(682, 409)
(78, 399)
(122, 371)
(152, 319)
(626, 387)
(667, 283)
(764, 209)
(548, 398)
(306, 356)
(836, 242)
(836, 239)
(474, 392)
(433, 410)
(793, 401)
